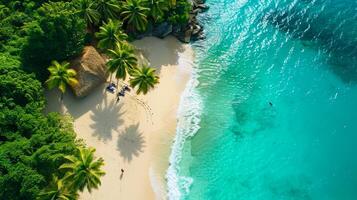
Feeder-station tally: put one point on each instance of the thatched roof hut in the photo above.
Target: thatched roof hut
(91, 71)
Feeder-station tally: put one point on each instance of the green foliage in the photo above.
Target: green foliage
(108, 9)
(144, 79)
(61, 76)
(19, 88)
(134, 13)
(83, 170)
(58, 191)
(32, 145)
(110, 34)
(32, 149)
(87, 11)
(7, 60)
(122, 60)
(158, 8)
(180, 13)
(56, 34)
(11, 23)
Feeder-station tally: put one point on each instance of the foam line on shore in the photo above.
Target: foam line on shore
(188, 124)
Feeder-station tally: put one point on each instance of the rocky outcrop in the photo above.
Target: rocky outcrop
(91, 71)
(190, 31)
(162, 30)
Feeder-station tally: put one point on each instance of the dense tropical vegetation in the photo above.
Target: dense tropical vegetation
(40, 157)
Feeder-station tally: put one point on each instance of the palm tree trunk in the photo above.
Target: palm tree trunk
(111, 77)
(62, 108)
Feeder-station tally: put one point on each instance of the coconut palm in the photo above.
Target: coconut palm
(107, 9)
(87, 10)
(134, 13)
(144, 79)
(110, 34)
(158, 8)
(122, 61)
(61, 76)
(84, 170)
(57, 191)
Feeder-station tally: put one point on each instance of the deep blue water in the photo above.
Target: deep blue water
(302, 57)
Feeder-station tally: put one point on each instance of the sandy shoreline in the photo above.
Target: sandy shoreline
(131, 135)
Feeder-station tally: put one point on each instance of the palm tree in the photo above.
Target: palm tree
(84, 171)
(134, 12)
(144, 78)
(107, 9)
(158, 8)
(57, 191)
(122, 60)
(86, 9)
(61, 76)
(110, 34)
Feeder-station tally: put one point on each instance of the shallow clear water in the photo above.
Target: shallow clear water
(302, 57)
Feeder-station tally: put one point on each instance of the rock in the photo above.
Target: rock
(199, 1)
(199, 36)
(193, 20)
(202, 7)
(176, 29)
(188, 34)
(196, 29)
(91, 71)
(195, 11)
(162, 30)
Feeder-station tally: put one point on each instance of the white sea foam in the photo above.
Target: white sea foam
(188, 124)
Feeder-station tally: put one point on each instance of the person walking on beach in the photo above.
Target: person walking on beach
(122, 173)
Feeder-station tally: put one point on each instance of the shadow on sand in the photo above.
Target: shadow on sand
(130, 143)
(106, 119)
(77, 107)
(169, 47)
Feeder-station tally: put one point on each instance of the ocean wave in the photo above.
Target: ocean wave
(188, 124)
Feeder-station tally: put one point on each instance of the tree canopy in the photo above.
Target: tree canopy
(57, 33)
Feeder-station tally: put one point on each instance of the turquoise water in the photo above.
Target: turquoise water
(302, 57)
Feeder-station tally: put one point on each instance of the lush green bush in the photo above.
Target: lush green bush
(32, 145)
(7, 60)
(180, 13)
(57, 33)
(32, 148)
(19, 88)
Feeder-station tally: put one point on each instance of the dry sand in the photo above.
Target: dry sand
(135, 134)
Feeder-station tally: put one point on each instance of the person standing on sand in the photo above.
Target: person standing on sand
(122, 173)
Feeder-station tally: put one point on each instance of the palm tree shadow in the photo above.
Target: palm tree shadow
(130, 143)
(106, 119)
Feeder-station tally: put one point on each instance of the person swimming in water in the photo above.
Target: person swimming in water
(270, 103)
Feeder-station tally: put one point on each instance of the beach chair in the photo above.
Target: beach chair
(111, 88)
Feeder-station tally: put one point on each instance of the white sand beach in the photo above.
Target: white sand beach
(136, 133)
